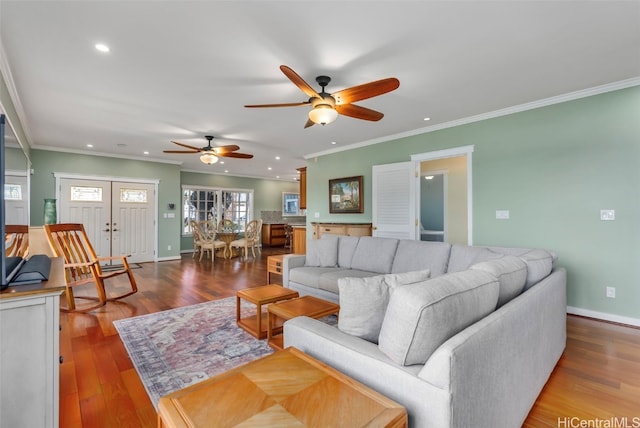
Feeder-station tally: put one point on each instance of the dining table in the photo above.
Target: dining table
(227, 238)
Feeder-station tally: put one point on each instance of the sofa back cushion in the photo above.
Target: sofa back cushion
(374, 254)
(322, 252)
(511, 272)
(422, 316)
(363, 301)
(346, 248)
(463, 256)
(417, 255)
(539, 262)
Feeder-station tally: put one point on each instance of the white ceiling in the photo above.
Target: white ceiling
(179, 70)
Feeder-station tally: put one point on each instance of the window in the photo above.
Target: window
(133, 196)
(216, 204)
(86, 194)
(12, 192)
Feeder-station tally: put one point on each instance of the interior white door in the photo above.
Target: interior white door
(15, 199)
(88, 202)
(394, 200)
(132, 230)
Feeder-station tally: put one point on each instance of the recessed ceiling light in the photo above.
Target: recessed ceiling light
(146, 153)
(427, 118)
(277, 157)
(89, 145)
(101, 47)
(333, 142)
(221, 162)
(226, 170)
(277, 176)
(269, 168)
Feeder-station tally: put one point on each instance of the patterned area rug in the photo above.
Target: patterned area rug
(179, 347)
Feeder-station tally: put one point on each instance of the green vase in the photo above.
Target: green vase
(50, 214)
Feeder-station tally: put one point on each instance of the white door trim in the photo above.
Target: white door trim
(450, 153)
(64, 175)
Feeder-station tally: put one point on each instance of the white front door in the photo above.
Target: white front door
(132, 214)
(15, 198)
(118, 216)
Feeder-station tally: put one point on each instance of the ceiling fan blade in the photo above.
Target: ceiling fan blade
(358, 112)
(299, 82)
(304, 103)
(181, 151)
(235, 155)
(187, 146)
(309, 123)
(366, 90)
(226, 149)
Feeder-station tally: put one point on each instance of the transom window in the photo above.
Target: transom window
(133, 196)
(216, 204)
(12, 192)
(86, 194)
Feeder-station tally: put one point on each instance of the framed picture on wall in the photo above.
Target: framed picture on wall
(345, 195)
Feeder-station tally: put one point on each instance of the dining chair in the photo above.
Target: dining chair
(251, 239)
(205, 233)
(196, 237)
(16, 240)
(82, 265)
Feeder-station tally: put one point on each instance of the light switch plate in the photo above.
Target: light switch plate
(502, 214)
(607, 215)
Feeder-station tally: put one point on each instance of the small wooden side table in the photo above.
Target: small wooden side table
(256, 325)
(309, 306)
(285, 389)
(274, 265)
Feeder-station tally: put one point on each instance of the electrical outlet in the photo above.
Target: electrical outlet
(169, 247)
(611, 292)
(502, 214)
(607, 215)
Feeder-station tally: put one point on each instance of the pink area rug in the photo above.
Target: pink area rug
(179, 347)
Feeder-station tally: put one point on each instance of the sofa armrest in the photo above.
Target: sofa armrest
(427, 405)
(504, 358)
(289, 262)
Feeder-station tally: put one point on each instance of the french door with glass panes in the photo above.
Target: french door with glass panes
(118, 216)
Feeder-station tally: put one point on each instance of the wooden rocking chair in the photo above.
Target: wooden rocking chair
(16, 240)
(82, 265)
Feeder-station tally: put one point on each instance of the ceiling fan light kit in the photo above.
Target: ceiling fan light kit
(323, 114)
(209, 158)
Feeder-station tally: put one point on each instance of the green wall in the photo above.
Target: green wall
(45, 163)
(554, 168)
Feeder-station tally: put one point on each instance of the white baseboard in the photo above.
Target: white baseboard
(603, 316)
(165, 259)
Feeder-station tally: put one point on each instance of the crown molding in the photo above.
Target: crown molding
(107, 155)
(597, 90)
(7, 76)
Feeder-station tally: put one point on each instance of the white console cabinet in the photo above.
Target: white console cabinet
(30, 353)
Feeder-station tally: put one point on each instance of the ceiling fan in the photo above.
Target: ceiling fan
(211, 154)
(326, 107)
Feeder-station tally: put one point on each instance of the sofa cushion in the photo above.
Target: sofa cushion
(329, 280)
(539, 265)
(322, 252)
(374, 254)
(363, 301)
(422, 316)
(463, 256)
(418, 255)
(309, 276)
(511, 272)
(346, 248)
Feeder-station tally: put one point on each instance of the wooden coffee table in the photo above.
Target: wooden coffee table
(256, 325)
(306, 305)
(286, 389)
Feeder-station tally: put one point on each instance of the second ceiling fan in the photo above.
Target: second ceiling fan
(326, 107)
(210, 154)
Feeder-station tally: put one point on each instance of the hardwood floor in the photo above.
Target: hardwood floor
(598, 377)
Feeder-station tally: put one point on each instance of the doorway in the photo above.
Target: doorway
(118, 216)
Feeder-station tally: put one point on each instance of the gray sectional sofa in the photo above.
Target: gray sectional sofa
(461, 336)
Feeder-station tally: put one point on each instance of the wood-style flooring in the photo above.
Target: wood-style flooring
(597, 378)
